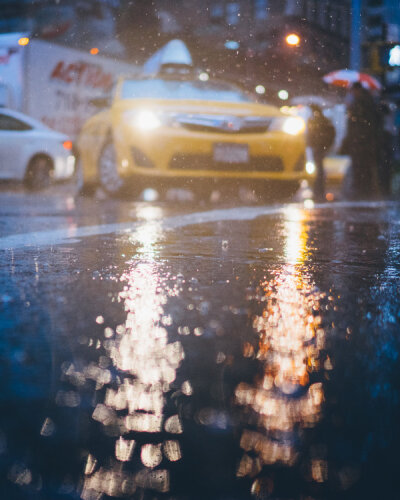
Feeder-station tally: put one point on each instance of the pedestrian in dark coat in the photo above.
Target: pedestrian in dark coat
(385, 150)
(320, 137)
(362, 142)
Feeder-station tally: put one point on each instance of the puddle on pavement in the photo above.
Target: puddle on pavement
(234, 360)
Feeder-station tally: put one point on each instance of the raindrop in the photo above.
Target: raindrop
(108, 332)
(151, 455)
(172, 451)
(20, 475)
(198, 331)
(48, 427)
(184, 330)
(167, 320)
(220, 358)
(90, 464)
(124, 449)
(104, 415)
(187, 388)
(173, 425)
(120, 329)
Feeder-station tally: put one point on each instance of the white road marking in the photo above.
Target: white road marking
(72, 235)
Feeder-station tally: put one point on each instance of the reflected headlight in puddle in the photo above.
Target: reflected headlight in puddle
(310, 167)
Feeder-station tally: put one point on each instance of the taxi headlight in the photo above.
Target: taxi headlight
(144, 120)
(292, 125)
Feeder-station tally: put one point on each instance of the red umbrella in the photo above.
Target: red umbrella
(346, 77)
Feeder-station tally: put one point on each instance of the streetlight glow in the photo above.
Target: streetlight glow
(292, 39)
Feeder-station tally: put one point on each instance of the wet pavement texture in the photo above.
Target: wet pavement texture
(171, 351)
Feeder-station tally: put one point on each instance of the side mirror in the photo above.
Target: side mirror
(101, 102)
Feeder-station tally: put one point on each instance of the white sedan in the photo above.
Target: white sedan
(32, 152)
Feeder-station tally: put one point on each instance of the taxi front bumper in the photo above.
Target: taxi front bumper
(180, 154)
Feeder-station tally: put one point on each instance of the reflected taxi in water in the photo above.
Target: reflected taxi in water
(155, 407)
(181, 128)
(287, 396)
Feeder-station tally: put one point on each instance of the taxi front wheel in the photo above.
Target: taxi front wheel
(109, 178)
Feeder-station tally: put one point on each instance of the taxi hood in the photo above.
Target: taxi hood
(170, 106)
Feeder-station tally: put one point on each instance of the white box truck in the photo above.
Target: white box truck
(54, 83)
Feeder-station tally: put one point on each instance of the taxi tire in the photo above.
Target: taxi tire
(39, 173)
(108, 176)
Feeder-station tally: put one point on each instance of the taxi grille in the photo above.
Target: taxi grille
(224, 124)
(206, 162)
(206, 128)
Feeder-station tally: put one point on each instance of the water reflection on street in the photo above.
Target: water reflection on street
(284, 401)
(146, 364)
(224, 360)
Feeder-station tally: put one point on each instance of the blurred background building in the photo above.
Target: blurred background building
(242, 39)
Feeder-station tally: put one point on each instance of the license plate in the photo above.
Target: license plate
(231, 153)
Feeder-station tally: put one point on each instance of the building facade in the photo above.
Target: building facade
(246, 36)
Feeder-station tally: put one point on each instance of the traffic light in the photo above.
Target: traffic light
(389, 55)
(383, 56)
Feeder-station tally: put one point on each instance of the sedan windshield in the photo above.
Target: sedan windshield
(177, 89)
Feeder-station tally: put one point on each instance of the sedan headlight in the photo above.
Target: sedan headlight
(144, 120)
(292, 125)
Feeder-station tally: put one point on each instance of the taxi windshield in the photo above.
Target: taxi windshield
(183, 89)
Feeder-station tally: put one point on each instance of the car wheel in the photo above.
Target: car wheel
(39, 173)
(109, 178)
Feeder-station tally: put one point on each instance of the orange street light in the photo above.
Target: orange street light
(94, 51)
(23, 41)
(293, 40)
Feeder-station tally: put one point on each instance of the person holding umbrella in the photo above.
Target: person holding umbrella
(362, 141)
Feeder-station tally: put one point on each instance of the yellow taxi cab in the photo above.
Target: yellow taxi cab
(180, 128)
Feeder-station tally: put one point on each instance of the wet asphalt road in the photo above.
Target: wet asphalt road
(174, 351)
